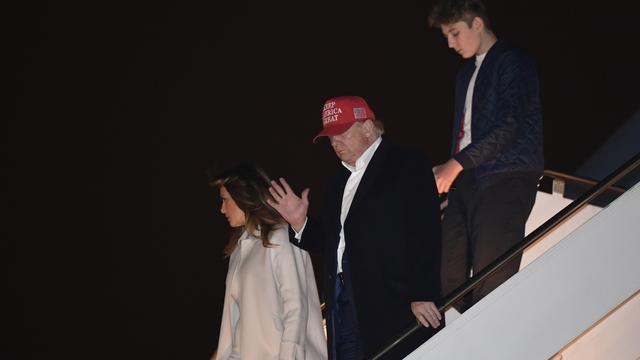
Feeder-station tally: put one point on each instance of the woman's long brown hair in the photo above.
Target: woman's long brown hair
(248, 186)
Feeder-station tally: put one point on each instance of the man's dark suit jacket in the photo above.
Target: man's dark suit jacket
(393, 242)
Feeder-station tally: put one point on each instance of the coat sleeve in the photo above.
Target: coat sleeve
(290, 275)
(424, 241)
(312, 236)
(229, 314)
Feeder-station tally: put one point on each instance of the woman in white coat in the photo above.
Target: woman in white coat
(271, 306)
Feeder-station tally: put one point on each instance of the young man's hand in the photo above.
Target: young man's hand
(445, 174)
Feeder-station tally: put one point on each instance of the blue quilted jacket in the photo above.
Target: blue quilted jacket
(506, 123)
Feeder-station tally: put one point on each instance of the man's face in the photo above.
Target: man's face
(462, 38)
(351, 144)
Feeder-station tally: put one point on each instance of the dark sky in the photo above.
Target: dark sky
(118, 108)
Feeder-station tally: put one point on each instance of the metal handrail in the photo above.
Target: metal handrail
(518, 248)
(580, 180)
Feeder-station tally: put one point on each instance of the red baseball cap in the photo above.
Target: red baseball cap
(339, 113)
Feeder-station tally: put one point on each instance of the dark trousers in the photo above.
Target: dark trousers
(478, 226)
(345, 323)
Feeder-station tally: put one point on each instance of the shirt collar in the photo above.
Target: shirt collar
(480, 58)
(365, 158)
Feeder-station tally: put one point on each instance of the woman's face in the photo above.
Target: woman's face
(234, 215)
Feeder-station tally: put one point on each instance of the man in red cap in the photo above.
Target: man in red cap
(379, 232)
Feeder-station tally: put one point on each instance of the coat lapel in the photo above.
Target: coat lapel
(370, 175)
(340, 183)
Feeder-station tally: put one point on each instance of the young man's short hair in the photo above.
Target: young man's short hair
(447, 12)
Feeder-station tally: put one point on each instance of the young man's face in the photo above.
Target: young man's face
(462, 38)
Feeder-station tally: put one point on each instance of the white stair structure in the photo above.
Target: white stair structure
(577, 300)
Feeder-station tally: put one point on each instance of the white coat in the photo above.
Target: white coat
(278, 312)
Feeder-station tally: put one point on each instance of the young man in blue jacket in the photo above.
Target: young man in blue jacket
(496, 156)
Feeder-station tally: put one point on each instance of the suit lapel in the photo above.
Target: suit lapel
(336, 206)
(370, 175)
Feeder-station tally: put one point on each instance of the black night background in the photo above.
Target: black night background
(112, 247)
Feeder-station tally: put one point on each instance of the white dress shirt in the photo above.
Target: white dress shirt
(350, 189)
(468, 101)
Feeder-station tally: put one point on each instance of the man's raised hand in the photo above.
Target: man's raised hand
(290, 206)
